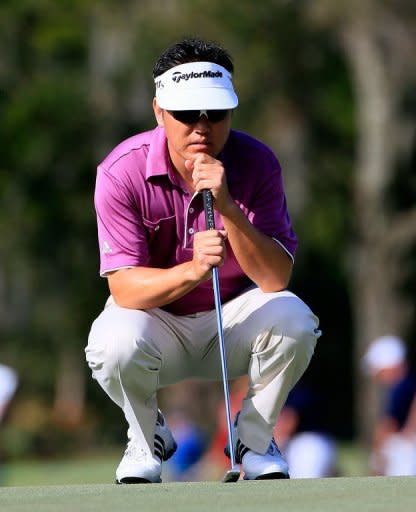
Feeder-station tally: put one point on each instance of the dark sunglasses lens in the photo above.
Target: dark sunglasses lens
(192, 116)
(216, 116)
(186, 116)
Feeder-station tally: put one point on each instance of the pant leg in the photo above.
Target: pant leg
(273, 337)
(129, 352)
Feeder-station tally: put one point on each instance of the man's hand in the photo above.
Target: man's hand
(209, 251)
(148, 287)
(259, 256)
(208, 173)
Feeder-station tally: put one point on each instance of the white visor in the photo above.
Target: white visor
(196, 86)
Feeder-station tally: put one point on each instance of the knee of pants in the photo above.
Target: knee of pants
(294, 321)
(303, 324)
(121, 350)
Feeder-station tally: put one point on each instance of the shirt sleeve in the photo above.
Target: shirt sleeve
(269, 213)
(121, 234)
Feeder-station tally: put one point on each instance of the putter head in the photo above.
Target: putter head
(232, 475)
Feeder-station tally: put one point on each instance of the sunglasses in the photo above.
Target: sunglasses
(193, 116)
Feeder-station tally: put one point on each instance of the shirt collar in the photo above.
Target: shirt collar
(158, 161)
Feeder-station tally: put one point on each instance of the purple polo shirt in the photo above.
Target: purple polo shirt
(147, 217)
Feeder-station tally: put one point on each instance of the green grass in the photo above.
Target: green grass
(85, 484)
(352, 460)
(360, 494)
(99, 469)
(77, 470)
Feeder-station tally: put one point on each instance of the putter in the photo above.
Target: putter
(233, 474)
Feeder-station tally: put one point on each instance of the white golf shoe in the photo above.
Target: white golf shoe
(138, 465)
(268, 466)
(258, 466)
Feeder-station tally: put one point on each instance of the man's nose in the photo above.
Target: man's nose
(202, 124)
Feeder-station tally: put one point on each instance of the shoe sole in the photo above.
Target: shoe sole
(273, 476)
(136, 480)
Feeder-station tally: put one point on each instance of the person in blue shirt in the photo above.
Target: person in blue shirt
(393, 450)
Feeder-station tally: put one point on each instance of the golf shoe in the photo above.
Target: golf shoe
(259, 466)
(138, 466)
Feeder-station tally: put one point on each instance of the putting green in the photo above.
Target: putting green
(369, 494)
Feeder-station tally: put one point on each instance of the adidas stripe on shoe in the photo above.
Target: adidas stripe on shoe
(165, 444)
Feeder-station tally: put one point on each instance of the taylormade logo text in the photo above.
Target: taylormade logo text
(178, 76)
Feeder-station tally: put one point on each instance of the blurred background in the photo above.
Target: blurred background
(330, 86)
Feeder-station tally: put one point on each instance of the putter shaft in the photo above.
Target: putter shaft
(216, 286)
(233, 474)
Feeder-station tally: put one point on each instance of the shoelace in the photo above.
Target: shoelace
(134, 452)
(241, 450)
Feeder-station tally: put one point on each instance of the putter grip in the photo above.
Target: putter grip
(208, 208)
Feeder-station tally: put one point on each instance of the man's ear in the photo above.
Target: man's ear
(158, 113)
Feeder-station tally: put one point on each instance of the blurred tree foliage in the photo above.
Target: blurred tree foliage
(75, 79)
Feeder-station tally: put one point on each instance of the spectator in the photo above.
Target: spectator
(393, 450)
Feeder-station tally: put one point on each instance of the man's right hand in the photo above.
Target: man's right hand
(209, 251)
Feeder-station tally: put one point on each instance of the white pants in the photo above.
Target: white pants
(269, 336)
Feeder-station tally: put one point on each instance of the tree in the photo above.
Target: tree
(379, 42)
(316, 79)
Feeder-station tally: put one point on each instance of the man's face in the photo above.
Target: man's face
(186, 140)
